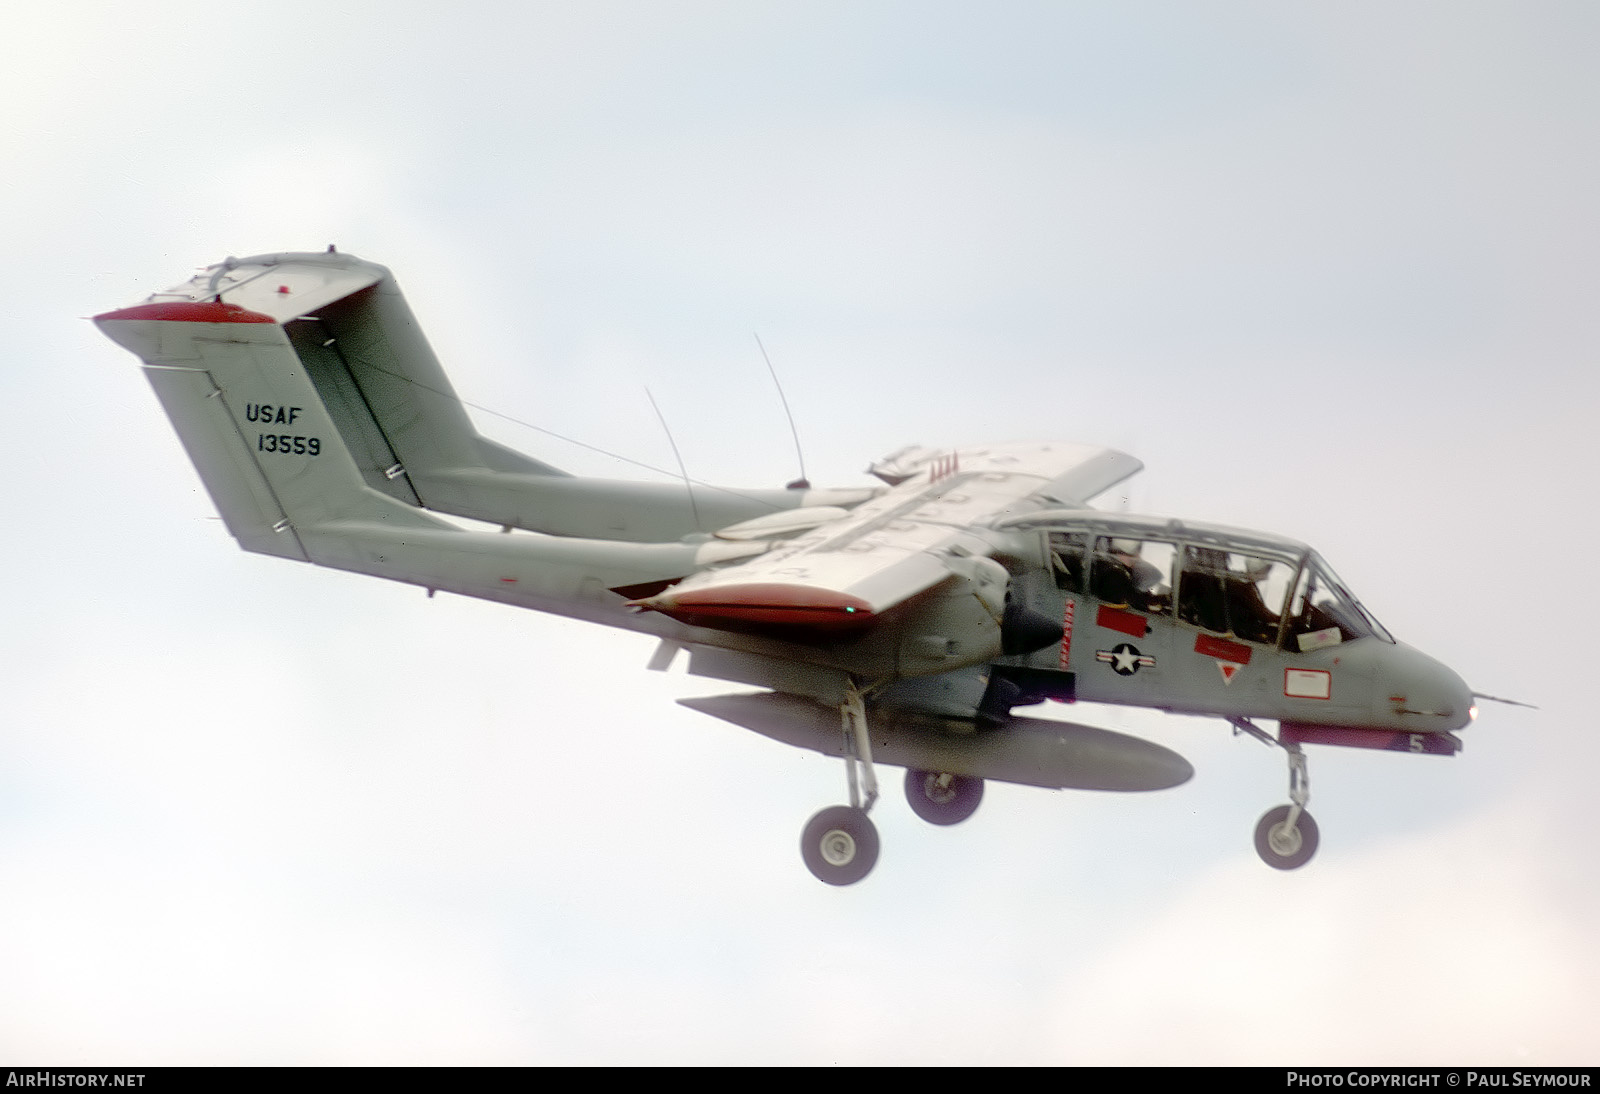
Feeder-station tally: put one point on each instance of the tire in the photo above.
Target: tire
(1283, 853)
(840, 845)
(951, 803)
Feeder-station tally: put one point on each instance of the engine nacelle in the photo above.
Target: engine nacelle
(970, 620)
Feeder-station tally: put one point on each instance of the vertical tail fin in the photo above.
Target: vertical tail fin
(253, 422)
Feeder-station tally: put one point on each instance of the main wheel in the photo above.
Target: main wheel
(1283, 848)
(941, 798)
(840, 845)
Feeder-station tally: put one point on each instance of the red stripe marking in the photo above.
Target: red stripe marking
(188, 311)
(1436, 744)
(1339, 735)
(771, 604)
(1221, 649)
(1129, 623)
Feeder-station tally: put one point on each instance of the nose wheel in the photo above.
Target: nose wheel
(1286, 837)
(1284, 845)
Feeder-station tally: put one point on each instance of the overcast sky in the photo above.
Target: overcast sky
(1329, 270)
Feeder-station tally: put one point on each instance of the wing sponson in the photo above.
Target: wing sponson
(1030, 751)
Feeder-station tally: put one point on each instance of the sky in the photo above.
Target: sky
(1328, 270)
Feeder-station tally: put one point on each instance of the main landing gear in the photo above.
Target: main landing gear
(1286, 837)
(840, 844)
(939, 797)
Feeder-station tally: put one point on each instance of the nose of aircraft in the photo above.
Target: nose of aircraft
(1423, 692)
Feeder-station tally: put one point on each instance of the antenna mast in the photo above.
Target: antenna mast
(687, 484)
(802, 483)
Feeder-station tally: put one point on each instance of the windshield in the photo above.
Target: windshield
(1234, 592)
(1325, 613)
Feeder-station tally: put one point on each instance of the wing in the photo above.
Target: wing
(838, 578)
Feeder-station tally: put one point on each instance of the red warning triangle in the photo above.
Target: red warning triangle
(1229, 670)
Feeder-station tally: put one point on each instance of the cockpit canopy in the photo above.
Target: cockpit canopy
(1248, 585)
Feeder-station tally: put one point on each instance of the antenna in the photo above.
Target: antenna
(1508, 702)
(802, 483)
(451, 396)
(687, 485)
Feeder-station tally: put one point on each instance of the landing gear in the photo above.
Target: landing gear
(939, 797)
(1286, 837)
(840, 844)
(1284, 847)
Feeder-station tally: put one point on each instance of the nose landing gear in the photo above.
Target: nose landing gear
(1283, 845)
(1287, 836)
